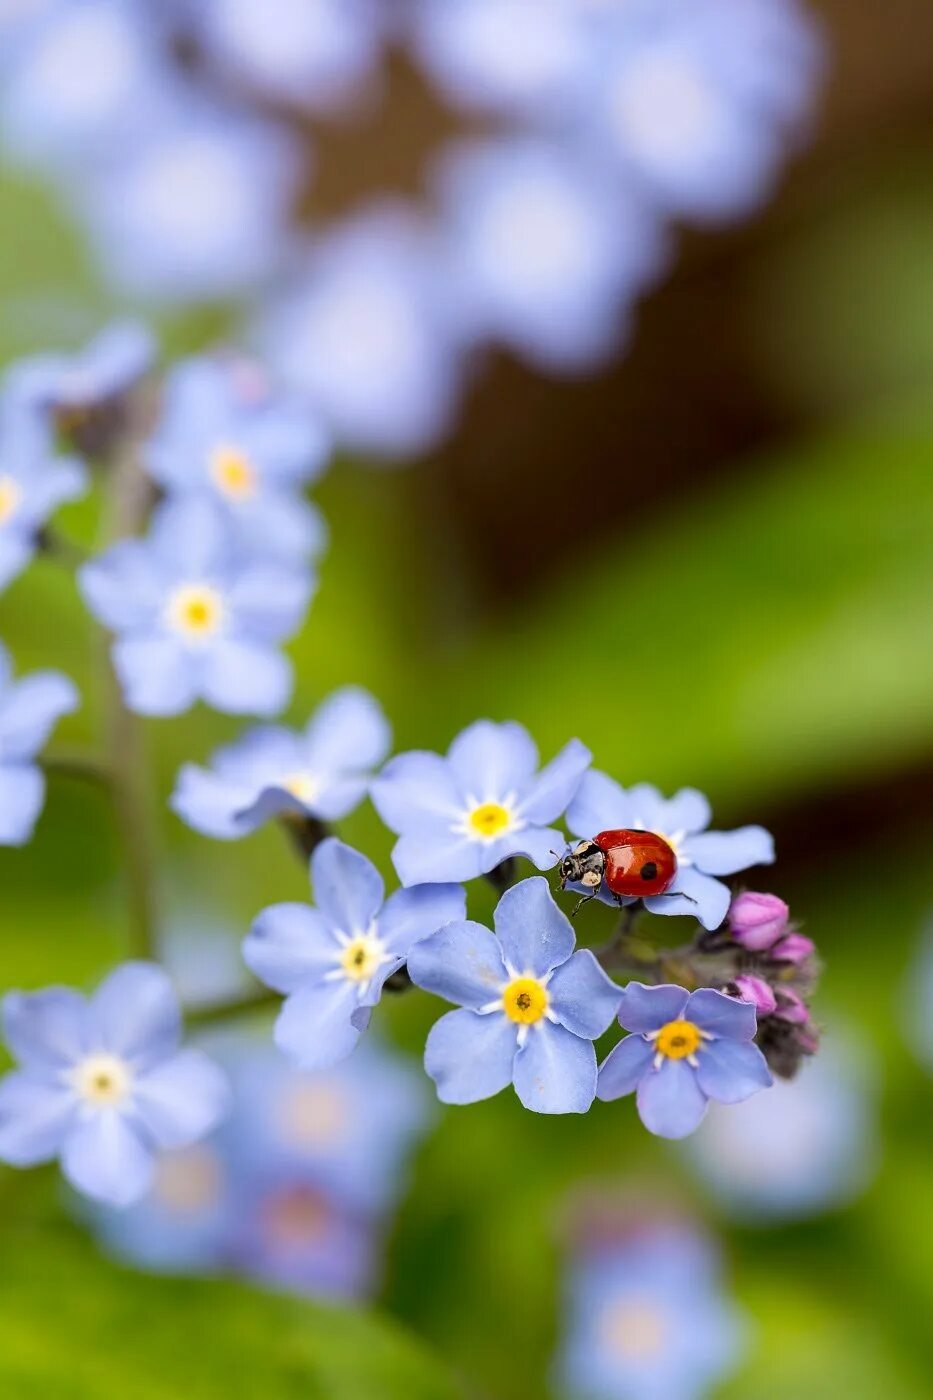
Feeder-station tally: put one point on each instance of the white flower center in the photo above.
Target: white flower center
(313, 1115)
(103, 1080)
(303, 785)
(189, 1181)
(635, 1329)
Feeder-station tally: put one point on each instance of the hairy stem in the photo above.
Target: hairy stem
(84, 767)
(305, 833)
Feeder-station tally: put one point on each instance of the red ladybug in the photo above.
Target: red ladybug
(634, 864)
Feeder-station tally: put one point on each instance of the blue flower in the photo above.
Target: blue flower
(316, 56)
(323, 772)
(531, 1006)
(685, 1049)
(29, 710)
(224, 435)
(332, 961)
(33, 481)
(648, 1320)
(92, 377)
(546, 255)
(193, 618)
(102, 1083)
(460, 816)
(364, 332)
(602, 805)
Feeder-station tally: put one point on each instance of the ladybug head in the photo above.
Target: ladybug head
(584, 865)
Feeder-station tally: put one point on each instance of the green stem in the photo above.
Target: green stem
(84, 767)
(261, 1000)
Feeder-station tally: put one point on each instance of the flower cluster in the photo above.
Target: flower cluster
(609, 123)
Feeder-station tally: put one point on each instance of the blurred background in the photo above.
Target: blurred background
(708, 553)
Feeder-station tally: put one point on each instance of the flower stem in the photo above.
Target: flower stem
(260, 1000)
(502, 875)
(305, 833)
(84, 767)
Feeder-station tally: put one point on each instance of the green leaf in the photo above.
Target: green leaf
(75, 1327)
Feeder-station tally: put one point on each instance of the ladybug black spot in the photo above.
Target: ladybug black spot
(649, 871)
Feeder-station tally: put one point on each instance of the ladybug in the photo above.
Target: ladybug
(634, 865)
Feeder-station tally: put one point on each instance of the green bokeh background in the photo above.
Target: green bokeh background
(767, 636)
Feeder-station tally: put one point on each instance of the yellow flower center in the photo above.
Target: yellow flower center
(304, 786)
(635, 1330)
(489, 819)
(10, 496)
(678, 1039)
(525, 1000)
(102, 1080)
(312, 1115)
(196, 610)
(232, 472)
(362, 957)
(188, 1181)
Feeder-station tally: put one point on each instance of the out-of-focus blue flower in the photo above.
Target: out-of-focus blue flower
(83, 74)
(332, 961)
(808, 1146)
(647, 1319)
(196, 209)
(699, 101)
(546, 254)
(33, 481)
(531, 1006)
(364, 330)
(92, 377)
(919, 995)
(460, 816)
(316, 54)
(524, 57)
(323, 772)
(225, 435)
(685, 1049)
(102, 1083)
(193, 618)
(29, 710)
(602, 805)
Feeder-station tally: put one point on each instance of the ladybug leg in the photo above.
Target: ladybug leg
(580, 903)
(674, 894)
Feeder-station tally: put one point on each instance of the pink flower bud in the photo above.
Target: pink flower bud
(757, 991)
(790, 1007)
(793, 948)
(757, 920)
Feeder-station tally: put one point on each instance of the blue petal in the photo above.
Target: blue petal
(470, 1057)
(462, 963)
(104, 1158)
(624, 1067)
(347, 731)
(122, 587)
(535, 935)
(50, 1029)
(542, 845)
(289, 946)
(687, 810)
(599, 805)
(491, 761)
(556, 784)
(700, 895)
(416, 793)
(721, 1015)
(730, 1071)
(726, 852)
(649, 1008)
(245, 678)
(269, 603)
(314, 1027)
(30, 710)
(135, 1013)
(156, 674)
(447, 858)
(413, 913)
(670, 1101)
(209, 804)
(22, 795)
(583, 997)
(182, 1099)
(190, 538)
(348, 888)
(35, 1115)
(555, 1071)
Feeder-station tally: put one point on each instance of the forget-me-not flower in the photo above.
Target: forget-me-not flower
(601, 804)
(33, 481)
(29, 709)
(460, 816)
(223, 434)
(531, 1007)
(332, 961)
(193, 618)
(102, 1083)
(69, 386)
(322, 772)
(685, 1049)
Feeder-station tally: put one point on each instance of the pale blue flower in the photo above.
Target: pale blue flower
(531, 1006)
(602, 805)
(194, 619)
(332, 961)
(225, 435)
(460, 816)
(103, 1084)
(322, 772)
(93, 377)
(29, 710)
